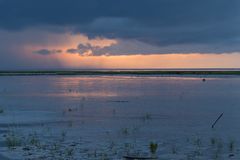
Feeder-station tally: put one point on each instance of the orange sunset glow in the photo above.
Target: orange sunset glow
(138, 61)
(151, 61)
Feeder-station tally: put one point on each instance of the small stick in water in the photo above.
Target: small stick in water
(217, 120)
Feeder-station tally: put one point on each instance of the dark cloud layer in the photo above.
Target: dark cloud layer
(88, 48)
(157, 22)
(47, 51)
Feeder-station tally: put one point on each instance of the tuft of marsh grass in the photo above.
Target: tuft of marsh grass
(33, 140)
(13, 141)
(231, 145)
(63, 135)
(198, 142)
(125, 131)
(111, 145)
(70, 124)
(69, 152)
(153, 147)
(174, 149)
(213, 141)
(128, 147)
(146, 117)
(1, 111)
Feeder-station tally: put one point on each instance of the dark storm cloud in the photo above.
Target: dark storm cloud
(47, 51)
(133, 47)
(84, 48)
(157, 22)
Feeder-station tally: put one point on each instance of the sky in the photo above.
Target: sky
(76, 34)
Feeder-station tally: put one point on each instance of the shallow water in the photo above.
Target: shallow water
(100, 110)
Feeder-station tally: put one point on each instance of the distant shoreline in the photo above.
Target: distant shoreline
(117, 72)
